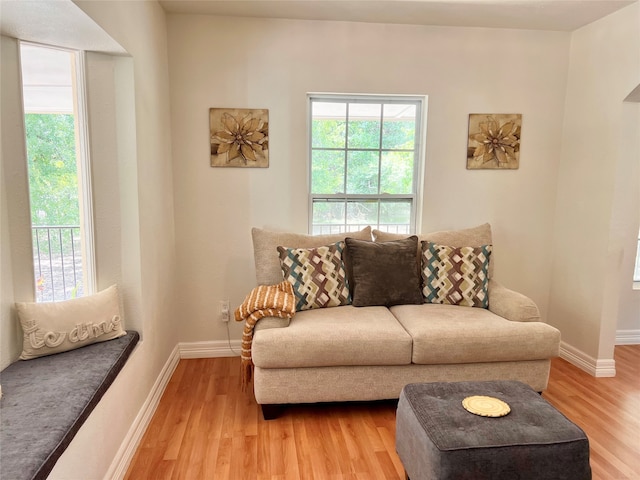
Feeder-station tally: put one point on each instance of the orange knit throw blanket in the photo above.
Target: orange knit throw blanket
(263, 301)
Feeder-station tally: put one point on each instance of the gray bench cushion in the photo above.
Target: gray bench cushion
(336, 336)
(47, 399)
(445, 334)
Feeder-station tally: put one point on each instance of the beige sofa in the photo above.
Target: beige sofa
(349, 353)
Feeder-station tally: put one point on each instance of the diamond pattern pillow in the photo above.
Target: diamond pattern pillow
(455, 275)
(317, 274)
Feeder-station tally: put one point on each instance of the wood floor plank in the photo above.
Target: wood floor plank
(332, 419)
(206, 427)
(606, 409)
(303, 453)
(389, 438)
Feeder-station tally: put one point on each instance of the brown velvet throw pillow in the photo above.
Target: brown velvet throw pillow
(383, 273)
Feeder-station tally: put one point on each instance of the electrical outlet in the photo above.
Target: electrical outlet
(224, 310)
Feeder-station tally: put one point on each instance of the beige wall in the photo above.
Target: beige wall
(16, 258)
(144, 231)
(597, 208)
(9, 335)
(128, 100)
(253, 63)
(624, 230)
(628, 329)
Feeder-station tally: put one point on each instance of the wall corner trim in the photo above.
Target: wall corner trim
(628, 337)
(595, 367)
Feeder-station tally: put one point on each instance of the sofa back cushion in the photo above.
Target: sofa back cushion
(468, 237)
(266, 243)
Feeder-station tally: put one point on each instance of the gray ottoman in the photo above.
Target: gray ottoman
(436, 438)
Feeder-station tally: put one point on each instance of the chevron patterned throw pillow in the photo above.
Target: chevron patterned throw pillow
(317, 274)
(455, 275)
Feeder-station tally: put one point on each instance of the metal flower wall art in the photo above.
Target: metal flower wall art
(239, 137)
(494, 141)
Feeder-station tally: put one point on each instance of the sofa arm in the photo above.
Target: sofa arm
(272, 322)
(511, 304)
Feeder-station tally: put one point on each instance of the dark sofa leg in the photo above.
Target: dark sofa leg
(271, 411)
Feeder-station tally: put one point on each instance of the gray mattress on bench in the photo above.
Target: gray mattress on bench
(46, 400)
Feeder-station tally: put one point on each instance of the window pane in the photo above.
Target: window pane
(395, 216)
(54, 168)
(53, 175)
(362, 172)
(327, 171)
(396, 172)
(375, 164)
(364, 125)
(399, 126)
(328, 212)
(328, 127)
(361, 214)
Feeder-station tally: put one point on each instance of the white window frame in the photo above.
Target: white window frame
(420, 101)
(83, 158)
(85, 176)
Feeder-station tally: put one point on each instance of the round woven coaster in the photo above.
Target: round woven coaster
(486, 406)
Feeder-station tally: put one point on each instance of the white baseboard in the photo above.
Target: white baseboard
(211, 349)
(595, 367)
(125, 454)
(131, 441)
(628, 337)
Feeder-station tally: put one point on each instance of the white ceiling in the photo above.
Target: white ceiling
(562, 15)
(62, 23)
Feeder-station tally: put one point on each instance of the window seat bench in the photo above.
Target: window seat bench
(46, 400)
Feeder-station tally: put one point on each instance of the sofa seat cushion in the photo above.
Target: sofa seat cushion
(444, 334)
(334, 336)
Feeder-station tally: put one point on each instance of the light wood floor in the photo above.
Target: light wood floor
(205, 427)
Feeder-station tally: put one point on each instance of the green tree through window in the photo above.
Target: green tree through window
(53, 178)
